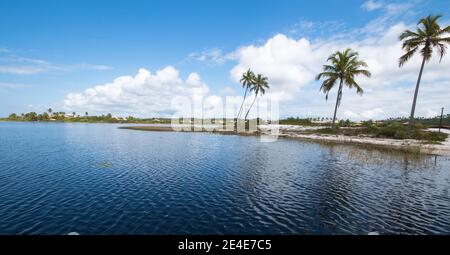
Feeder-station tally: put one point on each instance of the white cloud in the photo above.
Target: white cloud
(12, 64)
(13, 86)
(291, 65)
(372, 5)
(21, 69)
(370, 114)
(144, 95)
(396, 8)
(431, 113)
(213, 56)
(288, 63)
(227, 91)
(76, 67)
(315, 28)
(390, 8)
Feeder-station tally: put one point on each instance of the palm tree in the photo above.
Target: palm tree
(344, 67)
(247, 80)
(259, 86)
(428, 36)
(86, 113)
(50, 111)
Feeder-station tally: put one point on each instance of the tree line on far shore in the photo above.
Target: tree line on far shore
(49, 115)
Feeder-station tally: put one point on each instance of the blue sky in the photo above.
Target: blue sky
(49, 49)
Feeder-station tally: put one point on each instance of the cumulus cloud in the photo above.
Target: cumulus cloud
(288, 63)
(145, 94)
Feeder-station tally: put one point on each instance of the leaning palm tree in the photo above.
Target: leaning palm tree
(428, 36)
(344, 67)
(259, 87)
(247, 80)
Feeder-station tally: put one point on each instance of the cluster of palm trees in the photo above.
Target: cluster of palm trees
(252, 83)
(345, 66)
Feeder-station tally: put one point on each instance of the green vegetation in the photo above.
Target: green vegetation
(393, 130)
(259, 87)
(429, 122)
(297, 121)
(63, 117)
(254, 83)
(344, 67)
(428, 36)
(247, 81)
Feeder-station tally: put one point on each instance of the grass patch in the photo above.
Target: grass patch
(393, 130)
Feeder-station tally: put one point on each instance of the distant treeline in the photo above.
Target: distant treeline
(108, 118)
(435, 121)
(73, 117)
(425, 121)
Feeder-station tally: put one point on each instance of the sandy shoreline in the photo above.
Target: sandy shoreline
(297, 132)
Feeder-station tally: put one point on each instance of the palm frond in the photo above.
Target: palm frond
(344, 67)
(362, 72)
(407, 34)
(442, 50)
(426, 52)
(407, 56)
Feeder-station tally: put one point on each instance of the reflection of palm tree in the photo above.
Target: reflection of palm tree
(429, 35)
(260, 85)
(247, 80)
(344, 67)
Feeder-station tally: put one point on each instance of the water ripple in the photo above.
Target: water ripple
(97, 179)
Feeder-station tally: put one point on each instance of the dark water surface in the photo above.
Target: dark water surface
(96, 179)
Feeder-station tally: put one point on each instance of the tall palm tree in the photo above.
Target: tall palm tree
(247, 80)
(259, 87)
(50, 111)
(344, 67)
(86, 113)
(428, 36)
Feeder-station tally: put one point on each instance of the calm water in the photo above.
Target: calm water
(97, 179)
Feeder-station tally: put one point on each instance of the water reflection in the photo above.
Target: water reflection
(382, 156)
(53, 181)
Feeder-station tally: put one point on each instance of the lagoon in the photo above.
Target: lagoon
(57, 178)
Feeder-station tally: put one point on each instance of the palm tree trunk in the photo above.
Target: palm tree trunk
(246, 115)
(413, 109)
(242, 104)
(337, 102)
